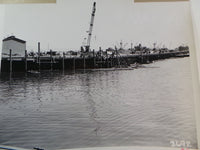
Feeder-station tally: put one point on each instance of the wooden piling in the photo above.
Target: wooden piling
(74, 63)
(51, 60)
(101, 56)
(63, 61)
(107, 59)
(84, 62)
(111, 60)
(39, 56)
(94, 59)
(117, 57)
(26, 61)
(10, 61)
(142, 56)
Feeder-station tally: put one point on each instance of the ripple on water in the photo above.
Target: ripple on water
(143, 107)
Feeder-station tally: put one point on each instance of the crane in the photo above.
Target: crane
(87, 47)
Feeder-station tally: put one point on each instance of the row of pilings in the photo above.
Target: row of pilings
(25, 64)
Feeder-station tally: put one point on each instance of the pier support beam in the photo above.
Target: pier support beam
(111, 60)
(10, 60)
(84, 62)
(51, 60)
(63, 61)
(39, 56)
(26, 69)
(101, 56)
(94, 57)
(107, 61)
(74, 63)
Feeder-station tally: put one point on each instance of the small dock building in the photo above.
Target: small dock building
(17, 46)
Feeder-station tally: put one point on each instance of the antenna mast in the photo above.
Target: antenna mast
(87, 47)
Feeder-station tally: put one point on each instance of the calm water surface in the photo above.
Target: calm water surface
(147, 106)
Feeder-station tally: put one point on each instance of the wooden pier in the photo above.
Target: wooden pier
(39, 63)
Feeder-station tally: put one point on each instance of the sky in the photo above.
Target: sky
(62, 26)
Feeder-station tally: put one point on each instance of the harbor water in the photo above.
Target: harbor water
(148, 106)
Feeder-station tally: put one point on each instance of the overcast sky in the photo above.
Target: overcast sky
(63, 26)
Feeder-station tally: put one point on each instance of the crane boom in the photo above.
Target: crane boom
(87, 47)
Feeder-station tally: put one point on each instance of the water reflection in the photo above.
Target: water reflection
(91, 103)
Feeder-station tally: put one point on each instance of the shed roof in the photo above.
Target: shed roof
(14, 39)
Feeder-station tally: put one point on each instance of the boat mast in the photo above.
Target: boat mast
(87, 47)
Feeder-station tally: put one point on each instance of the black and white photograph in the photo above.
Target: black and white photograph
(98, 75)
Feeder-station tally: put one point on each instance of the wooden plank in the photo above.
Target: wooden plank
(139, 1)
(25, 1)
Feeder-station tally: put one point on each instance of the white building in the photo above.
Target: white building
(17, 46)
